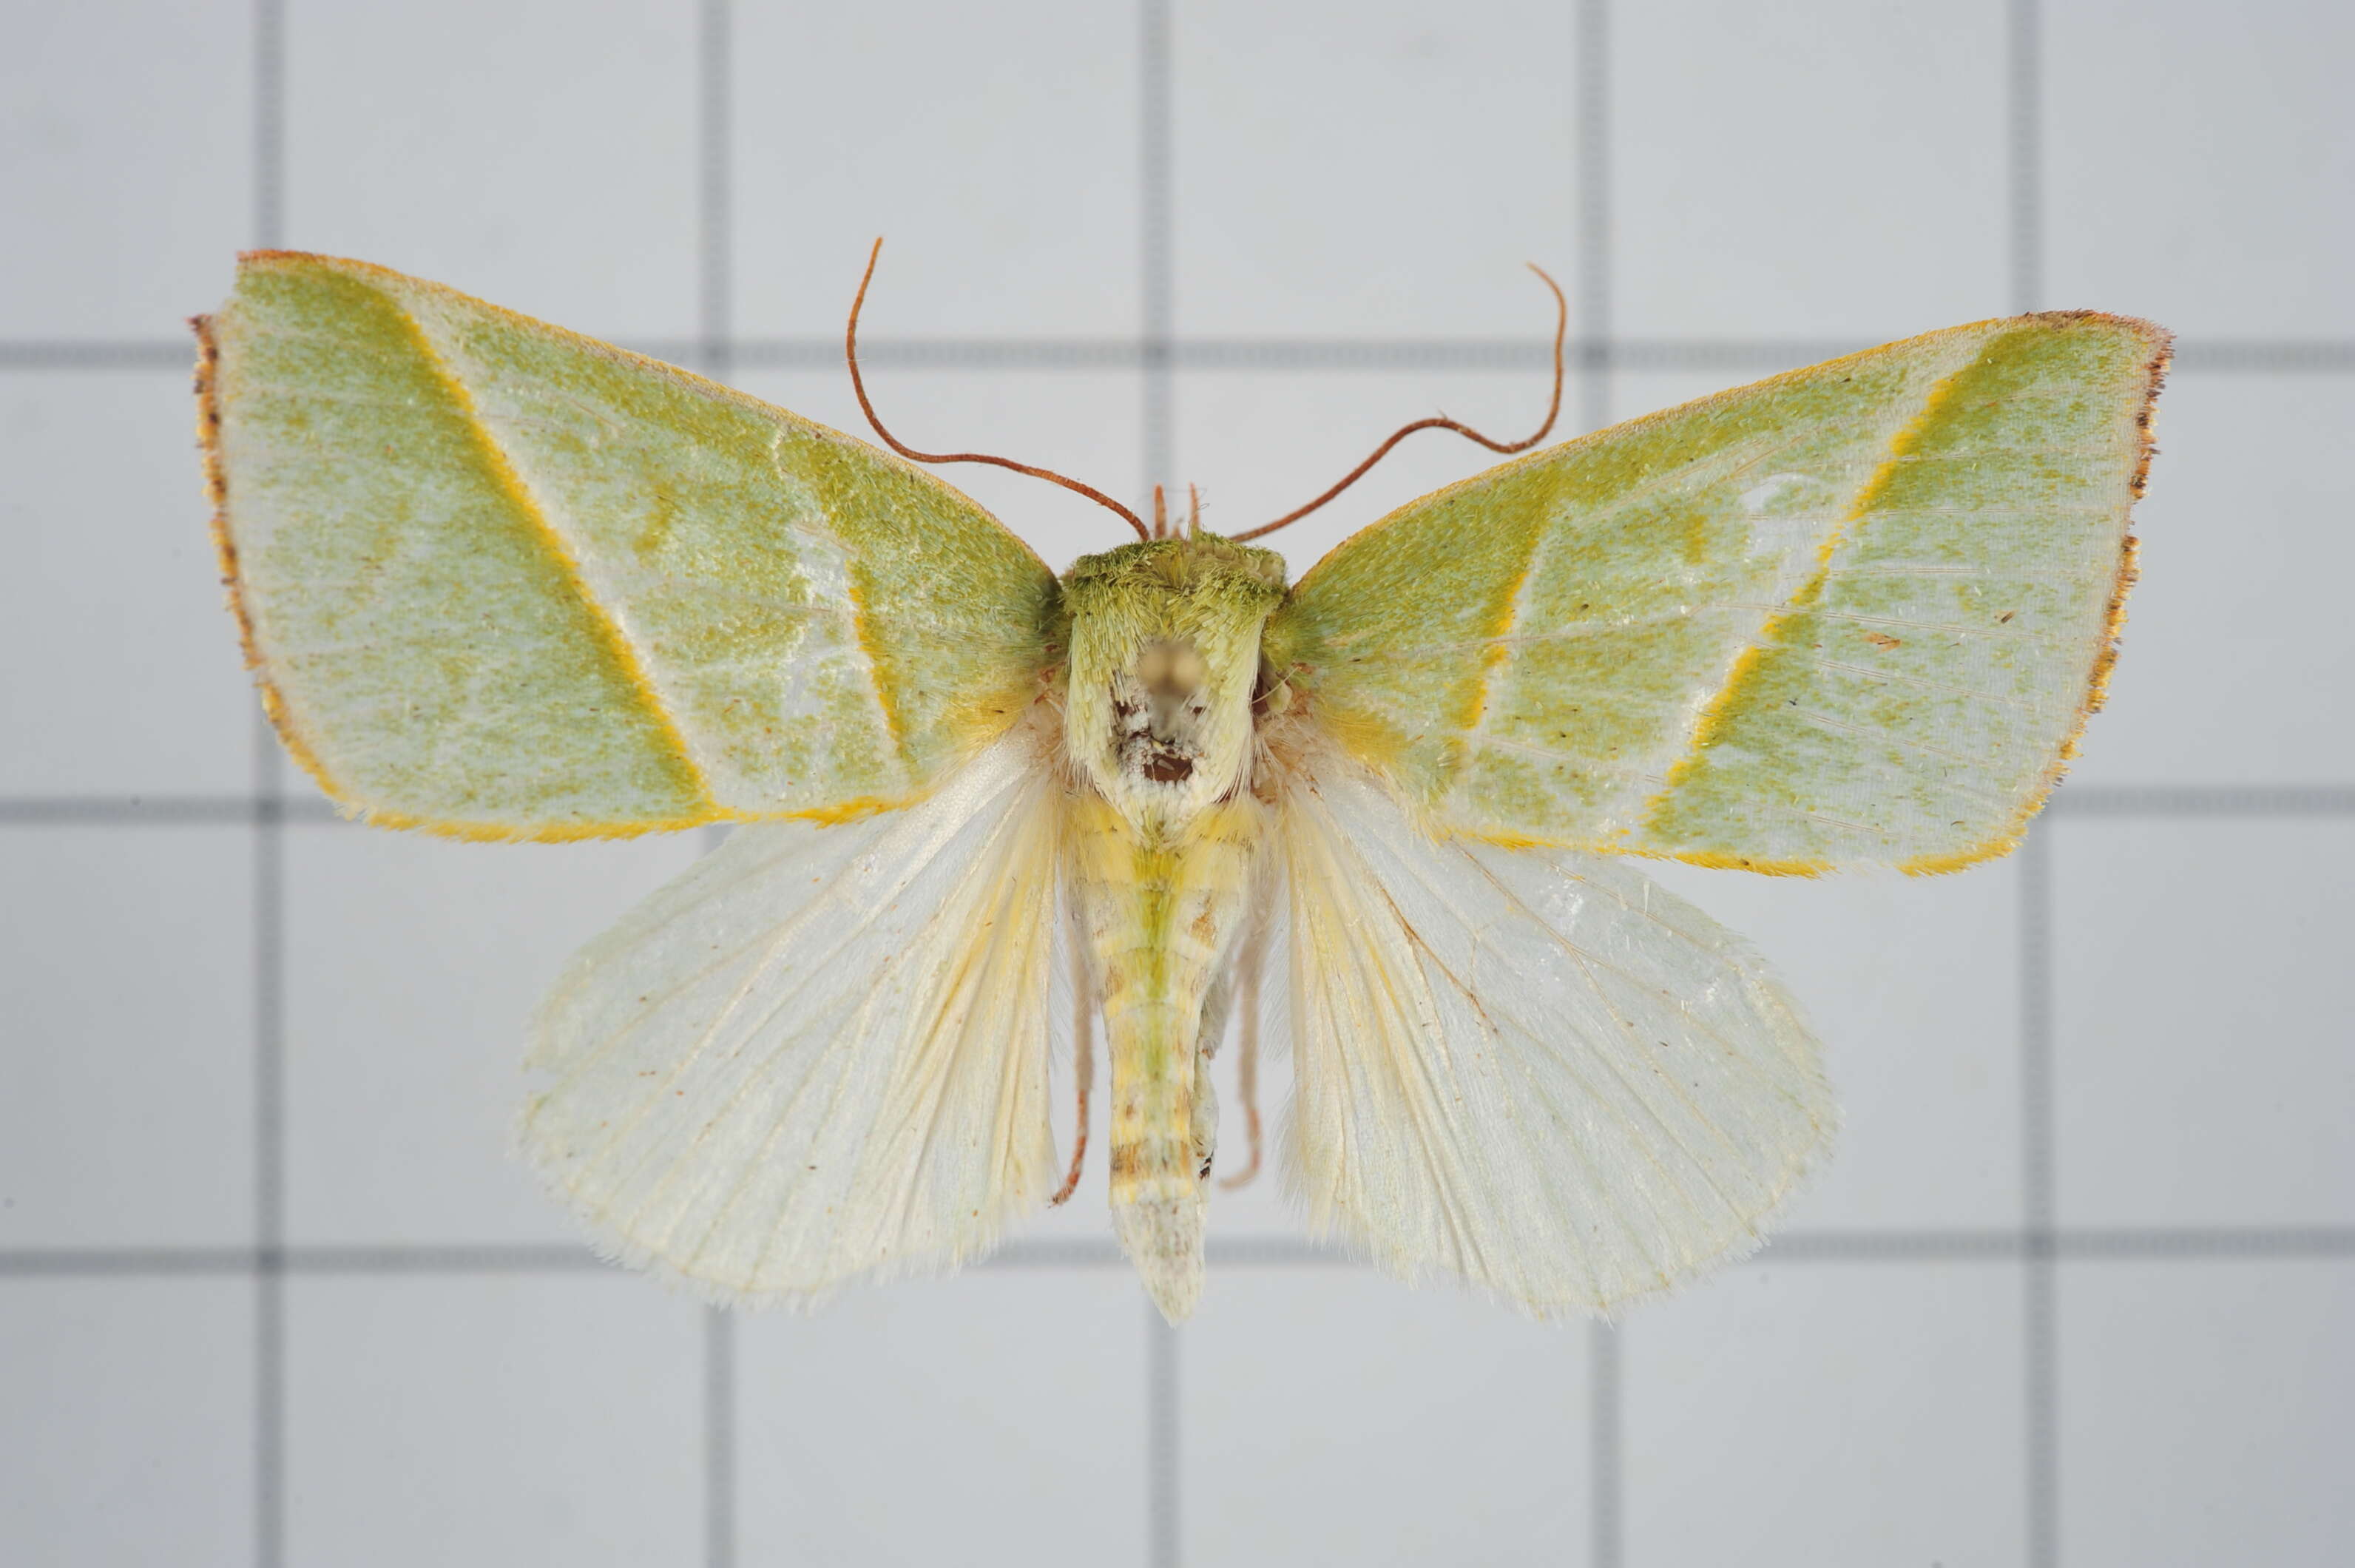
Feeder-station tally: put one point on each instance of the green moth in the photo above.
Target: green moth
(501, 582)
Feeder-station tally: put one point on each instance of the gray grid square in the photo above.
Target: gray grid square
(1830, 1412)
(2228, 224)
(1832, 171)
(114, 671)
(409, 977)
(542, 151)
(1294, 225)
(2236, 619)
(2201, 1069)
(996, 1408)
(1488, 1413)
(489, 1433)
(128, 1119)
(2232, 1372)
(128, 1403)
(125, 165)
(928, 128)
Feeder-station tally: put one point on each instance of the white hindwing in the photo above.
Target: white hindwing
(1532, 1068)
(821, 1053)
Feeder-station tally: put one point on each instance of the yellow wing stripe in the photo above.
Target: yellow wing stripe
(1845, 615)
(273, 705)
(426, 658)
(525, 506)
(507, 583)
(887, 694)
(1969, 425)
(1741, 676)
(1498, 652)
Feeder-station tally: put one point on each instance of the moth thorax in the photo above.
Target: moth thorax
(1172, 725)
(1159, 709)
(1163, 653)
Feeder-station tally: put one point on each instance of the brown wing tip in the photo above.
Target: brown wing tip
(2160, 344)
(208, 436)
(215, 469)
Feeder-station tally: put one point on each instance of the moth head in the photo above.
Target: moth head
(1164, 639)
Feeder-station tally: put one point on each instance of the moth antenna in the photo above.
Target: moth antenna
(1553, 410)
(858, 385)
(1160, 514)
(1247, 1060)
(1083, 1069)
(1193, 511)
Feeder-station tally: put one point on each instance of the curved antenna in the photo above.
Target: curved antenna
(1553, 409)
(858, 385)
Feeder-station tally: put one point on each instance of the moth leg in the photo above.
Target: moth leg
(1206, 1117)
(1218, 1002)
(1083, 1066)
(1247, 969)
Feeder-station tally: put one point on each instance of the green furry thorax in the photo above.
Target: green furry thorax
(1205, 568)
(1208, 589)
(1163, 640)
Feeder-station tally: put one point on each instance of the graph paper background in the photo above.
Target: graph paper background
(2079, 1287)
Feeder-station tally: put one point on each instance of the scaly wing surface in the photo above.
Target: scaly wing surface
(822, 1053)
(1531, 1067)
(1853, 614)
(501, 580)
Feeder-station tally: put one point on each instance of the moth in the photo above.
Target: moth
(500, 581)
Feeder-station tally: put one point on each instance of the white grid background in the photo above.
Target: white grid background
(2078, 1287)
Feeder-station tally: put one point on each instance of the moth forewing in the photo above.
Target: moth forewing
(499, 581)
(1852, 614)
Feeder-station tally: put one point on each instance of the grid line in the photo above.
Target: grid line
(269, 893)
(1154, 351)
(2075, 1245)
(1156, 312)
(2024, 133)
(1592, 161)
(715, 319)
(2039, 1132)
(269, 982)
(719, 1437)
(1165, 1536)
(715, 211)
(2070, 803)
(2040, 1371)
(1605, 1457)
(1733, 356)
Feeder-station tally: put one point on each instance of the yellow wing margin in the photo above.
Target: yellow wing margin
(498, 580)
(1856, 614)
